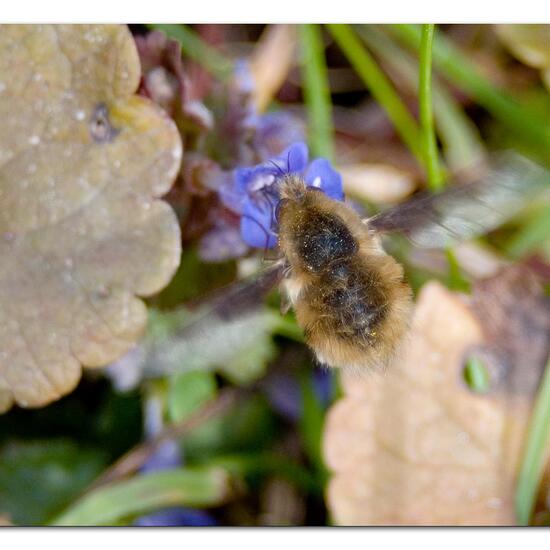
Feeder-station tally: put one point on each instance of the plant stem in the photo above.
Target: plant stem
(136, 457)
(459, 135)
(435, 176)
(316, 91)
(536, 452)
(380, 87)
(463, 74)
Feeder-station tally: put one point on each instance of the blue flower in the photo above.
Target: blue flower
(285, 391)
(177, 517)
(275, 131)
(255, 191)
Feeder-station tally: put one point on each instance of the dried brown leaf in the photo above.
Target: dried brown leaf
(515, 316)
(82, 160)
(271, 62)
(377, 183)
(416, 446)
(530, 44)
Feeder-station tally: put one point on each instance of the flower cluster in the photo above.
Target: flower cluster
(244, 215)
(254, 192)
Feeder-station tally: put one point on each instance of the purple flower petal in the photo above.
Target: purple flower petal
(250, 180)
(231, 198)
(223, 242)
(294, 158)
(167, 456)
(283, 392)
(255, 191)
(322, 175)
(323, 384)
(276, 131)
(176, 517)
(242, 179)
(256, 223)
(242, 76)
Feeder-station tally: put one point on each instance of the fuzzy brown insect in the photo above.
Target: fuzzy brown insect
(349, 296)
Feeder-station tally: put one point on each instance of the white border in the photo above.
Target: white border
(270, 538)
(248, 11)
(288, 11)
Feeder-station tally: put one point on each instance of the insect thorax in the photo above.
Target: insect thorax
(321, 239)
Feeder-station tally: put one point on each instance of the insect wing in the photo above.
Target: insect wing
(466, 210)
(228, 321)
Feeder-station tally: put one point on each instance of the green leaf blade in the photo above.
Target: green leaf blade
(197, 487)
(316, 92)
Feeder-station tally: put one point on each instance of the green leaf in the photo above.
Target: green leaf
(455, 278)
(39, 478)
(534, 233)
(189, 392)
(311, 424)
(536, 452)
(194, 279)
(268, 464)
(113, 504)
(247, 426)
(240, 347)
(289, 328)
(249, 364)
(197, 49)
(476, 375)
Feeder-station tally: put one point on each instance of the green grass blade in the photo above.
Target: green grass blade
(536, 452)
(476, 375)
(533, 233)
(316, 91)
(183, 487)
(463, 73)
(455, 278)
(380, 87)
(270, 464)
(198, 50)
(459, 135)
(435, 176)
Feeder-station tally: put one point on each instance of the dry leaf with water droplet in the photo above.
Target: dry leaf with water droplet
(82, 162)
(416, 446)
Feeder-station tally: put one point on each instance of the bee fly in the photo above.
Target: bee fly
(349, 296)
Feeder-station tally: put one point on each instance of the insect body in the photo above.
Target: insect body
(348, 294)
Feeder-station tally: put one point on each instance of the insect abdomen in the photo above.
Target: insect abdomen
(352, 316)
(352, 296)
